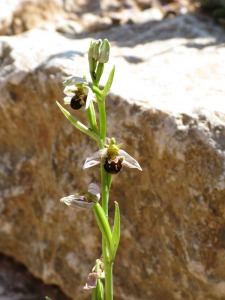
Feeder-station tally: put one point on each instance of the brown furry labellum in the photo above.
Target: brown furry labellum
(112, 167)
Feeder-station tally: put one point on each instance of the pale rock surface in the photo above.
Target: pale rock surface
(80, 16)
(167, 107)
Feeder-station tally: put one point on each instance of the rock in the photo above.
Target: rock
(16, 283)
(75, 17)
(21, 15)
(94, 23)
(167, 107)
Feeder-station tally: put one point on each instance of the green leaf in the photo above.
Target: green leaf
(80, 126)
(108, 83)
(115, 232)
(103, 224)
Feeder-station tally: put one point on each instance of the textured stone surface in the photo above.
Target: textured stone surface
(78, 16)
(16, 283)
(167, 107)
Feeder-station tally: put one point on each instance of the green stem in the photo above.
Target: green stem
(102, 116)
(108, 280)
(105, 190)
(106, 178)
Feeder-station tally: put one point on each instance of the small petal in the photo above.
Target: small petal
(129, 161)
(72, 80)
(95, 158)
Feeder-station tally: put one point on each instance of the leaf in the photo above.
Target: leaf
(108, 83)
(115, 232)
(80, 126)
(103, 224)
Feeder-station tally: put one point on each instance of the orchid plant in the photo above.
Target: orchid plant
(89, 97)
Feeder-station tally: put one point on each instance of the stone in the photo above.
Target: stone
(76, 17)
(21, 15)
(167, 108)
(16, 283)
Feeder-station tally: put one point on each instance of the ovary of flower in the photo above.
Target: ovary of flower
(113, 159)
(78, 93)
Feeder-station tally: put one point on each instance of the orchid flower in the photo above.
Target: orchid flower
(84, 199)
(112, 157)
(78, 93)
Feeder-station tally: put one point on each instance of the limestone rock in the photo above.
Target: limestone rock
(75, 17)
(18, 284)
(167, 107)
(17, 16)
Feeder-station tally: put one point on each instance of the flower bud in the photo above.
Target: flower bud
(104, 52)
(94, 50)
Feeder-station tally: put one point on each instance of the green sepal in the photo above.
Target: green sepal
(108, 83)
(115, 232)
(103, 224)
(80, 126)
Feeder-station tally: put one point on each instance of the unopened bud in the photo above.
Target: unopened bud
(104, 52)
(94, 50)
